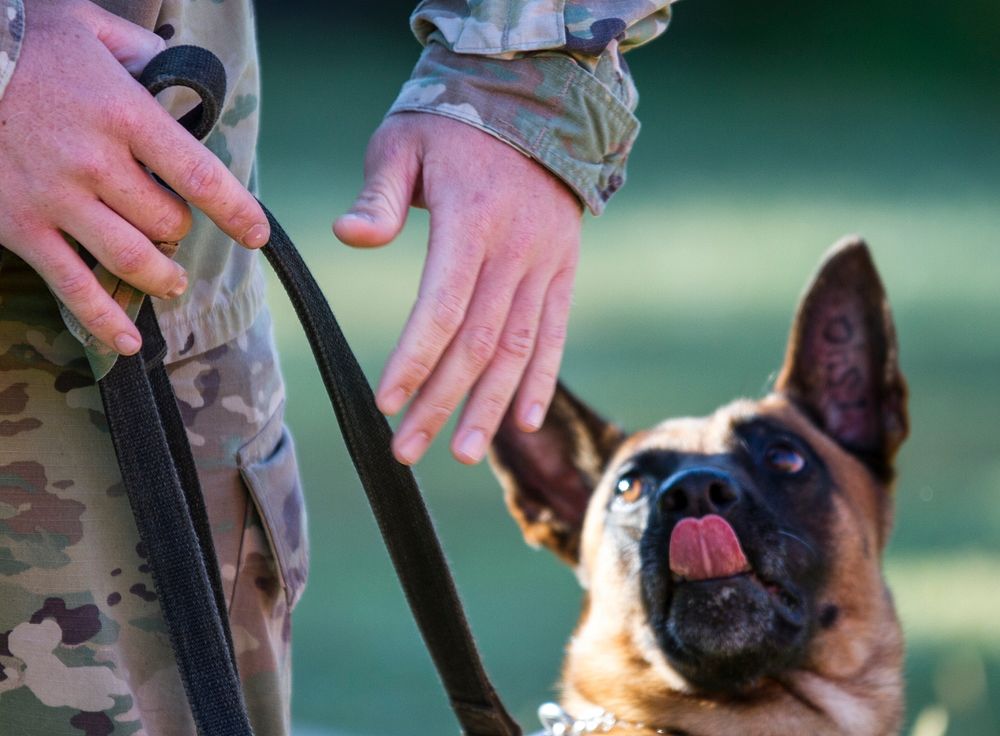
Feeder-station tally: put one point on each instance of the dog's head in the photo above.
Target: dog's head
(723, 553)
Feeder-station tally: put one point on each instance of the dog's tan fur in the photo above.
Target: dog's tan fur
(850, 681)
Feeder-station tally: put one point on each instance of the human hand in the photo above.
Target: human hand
(74, 127)
(493, 304)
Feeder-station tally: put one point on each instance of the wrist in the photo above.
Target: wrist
(546, 105)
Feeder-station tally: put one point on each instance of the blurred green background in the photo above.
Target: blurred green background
(770, 130)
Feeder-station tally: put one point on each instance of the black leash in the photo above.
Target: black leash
(162, 484)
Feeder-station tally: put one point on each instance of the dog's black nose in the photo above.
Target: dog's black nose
(697, 492)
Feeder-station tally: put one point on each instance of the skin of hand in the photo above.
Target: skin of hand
(75, 132)
(493, 304)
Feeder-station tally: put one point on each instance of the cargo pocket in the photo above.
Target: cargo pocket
(270, 471)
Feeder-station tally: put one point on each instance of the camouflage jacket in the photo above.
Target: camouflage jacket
(546, 76)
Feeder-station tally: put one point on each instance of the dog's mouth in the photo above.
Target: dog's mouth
(720, 619)
(707, 548)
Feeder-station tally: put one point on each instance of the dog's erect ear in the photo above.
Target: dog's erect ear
(841, 365)
(549, 475)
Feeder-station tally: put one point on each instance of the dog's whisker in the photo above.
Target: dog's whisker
(798, 539)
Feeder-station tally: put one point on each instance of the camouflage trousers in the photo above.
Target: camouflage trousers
(83, 648)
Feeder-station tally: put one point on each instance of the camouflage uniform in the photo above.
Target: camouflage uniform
(83, 649)
(82, 644)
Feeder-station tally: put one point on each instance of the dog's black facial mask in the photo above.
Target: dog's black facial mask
(723, 543)
(726, 627)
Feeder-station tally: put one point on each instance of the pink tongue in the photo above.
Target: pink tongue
(705, 548)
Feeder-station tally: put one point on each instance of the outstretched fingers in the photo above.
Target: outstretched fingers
(542, 373)
(490, 318)
(469, 353)
(495, 388)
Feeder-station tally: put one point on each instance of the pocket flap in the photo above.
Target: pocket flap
(269, 468)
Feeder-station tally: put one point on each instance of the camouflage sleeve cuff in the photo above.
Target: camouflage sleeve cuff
(11, 32)
(546, 105)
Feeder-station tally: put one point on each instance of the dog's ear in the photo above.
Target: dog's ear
(841, 364)
(548, 476)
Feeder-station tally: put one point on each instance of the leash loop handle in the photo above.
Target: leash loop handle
(197, 69)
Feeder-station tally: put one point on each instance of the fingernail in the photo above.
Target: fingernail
(180, 287)
(393, 401)
(126, 344)
(255, 237)
(535, 416)
(473, 446)
(414, 448)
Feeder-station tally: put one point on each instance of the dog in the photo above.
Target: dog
(732, 563)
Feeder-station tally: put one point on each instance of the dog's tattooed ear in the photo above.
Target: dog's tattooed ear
(841, 364)
(549, 475)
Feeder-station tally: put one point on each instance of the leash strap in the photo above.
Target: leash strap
(159, 474)
(163, 490)
(396, 501)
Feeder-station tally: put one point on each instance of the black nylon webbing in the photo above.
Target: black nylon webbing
(396, 501)
(180, 451)
(162, 485)
(178, 548)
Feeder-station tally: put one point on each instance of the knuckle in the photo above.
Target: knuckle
(480, 224)
(546, 373)
(243, 213)
(172, 225)
(415, 372)
(491, 406)
(130, 258)
(447, 311)
(480, 344)
(74, 286)
(201, 179)
(517, 344)
(438, 412)
(554, 336)
(519, 249)
(99, 318)
(121, 115)
(21, 221)
(562, 284)
(91, 167)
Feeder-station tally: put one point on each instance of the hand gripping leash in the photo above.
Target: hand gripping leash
(162, 483)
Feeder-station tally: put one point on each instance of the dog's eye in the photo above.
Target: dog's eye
(630, 488)
(785, 459)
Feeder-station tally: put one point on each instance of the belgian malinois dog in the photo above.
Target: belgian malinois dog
(732, 563)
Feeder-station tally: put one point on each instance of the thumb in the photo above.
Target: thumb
(133, 46)
(379, 211)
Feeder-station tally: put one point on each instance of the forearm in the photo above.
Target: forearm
(545, 77)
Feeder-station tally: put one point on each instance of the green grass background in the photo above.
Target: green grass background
(752, 161)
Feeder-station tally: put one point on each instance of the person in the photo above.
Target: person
(517, 112)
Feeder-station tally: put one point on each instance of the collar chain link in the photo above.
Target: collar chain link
(557, 722)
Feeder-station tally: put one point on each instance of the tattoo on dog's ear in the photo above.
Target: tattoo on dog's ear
(548, 476)
(841, 364)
